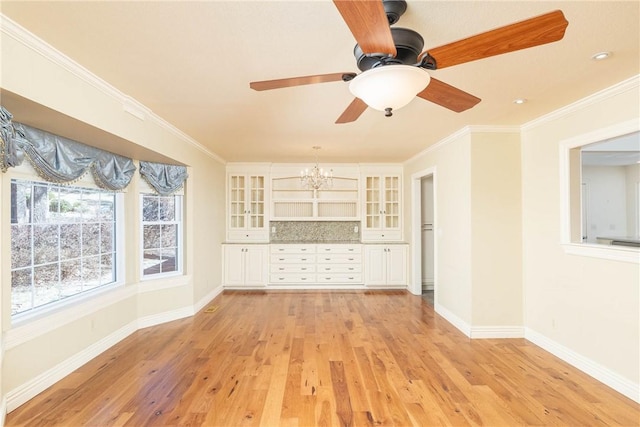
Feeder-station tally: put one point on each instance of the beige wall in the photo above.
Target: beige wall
(496, 230)
(30, 354)
(452, 210)
(587, 305)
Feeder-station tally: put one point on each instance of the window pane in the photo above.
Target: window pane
(91, 272)
(168, 260)
(20, 246)
(151, 262)
(90, 206)
(151, 236)
(70, 241)
(20, 290)
(169, 235)
(106, 238)
(20, 202)
(107, 269)
(45, 244)
(70, 277)
(90, 239)
(107, 206)
(167, 209)
(45, 280)
(149, 208)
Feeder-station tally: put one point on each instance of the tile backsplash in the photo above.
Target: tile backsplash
(315, 231)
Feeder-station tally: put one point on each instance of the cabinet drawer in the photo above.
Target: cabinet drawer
(293, 259)
(248, 236)
(339, 268)
(293, 249)
(339, 249)
(293, 268)
(339, 258)
(340, 278)
(292, 278)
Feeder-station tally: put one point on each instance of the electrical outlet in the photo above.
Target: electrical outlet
(355, 229)
(273, 230)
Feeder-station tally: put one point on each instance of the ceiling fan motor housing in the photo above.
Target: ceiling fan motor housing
(408, 43)
(394, 9)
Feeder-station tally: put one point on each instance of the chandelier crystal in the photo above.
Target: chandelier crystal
(317, 177)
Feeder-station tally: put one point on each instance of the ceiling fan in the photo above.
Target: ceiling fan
(394, 66)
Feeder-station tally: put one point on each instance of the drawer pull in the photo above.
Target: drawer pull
(304, 269)
(304, 259)
(280, 259)
(281, 268)
(351, 268)
(350, 259)
(303, 278)
(327, 259)
(351, 278)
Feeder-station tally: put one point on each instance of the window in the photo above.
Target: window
(63, 242)
(601, 193)
(161, 235)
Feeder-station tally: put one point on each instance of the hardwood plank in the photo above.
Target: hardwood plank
(318, 358)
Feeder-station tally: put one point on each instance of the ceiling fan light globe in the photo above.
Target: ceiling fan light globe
(389, 86)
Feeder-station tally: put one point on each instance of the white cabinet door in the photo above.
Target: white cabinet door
(385, 265)
(255, 265)
(396, 265)
(245, 265)
(375, 271)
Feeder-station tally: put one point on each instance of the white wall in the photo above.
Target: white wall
(606, 201)
(585, 309)
(41, 351)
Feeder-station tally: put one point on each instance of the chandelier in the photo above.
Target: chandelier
(316, 178)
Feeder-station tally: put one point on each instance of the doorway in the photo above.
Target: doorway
(423, 232)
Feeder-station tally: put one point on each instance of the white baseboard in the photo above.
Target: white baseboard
(207, 299)
(453, 319)
(601, 373)
(497, 332)
(31, 388)
(167, 316)
(3, 411)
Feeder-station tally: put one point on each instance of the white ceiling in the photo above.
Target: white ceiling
(191, 64)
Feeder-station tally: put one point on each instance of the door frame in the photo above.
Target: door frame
(415, 286)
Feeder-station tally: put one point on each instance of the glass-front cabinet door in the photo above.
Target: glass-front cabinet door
(381, 220)
(247, 218)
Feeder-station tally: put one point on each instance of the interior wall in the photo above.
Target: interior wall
(453, 211)
(496, 230)
(606, 201)
(41, 348)
(583, 305)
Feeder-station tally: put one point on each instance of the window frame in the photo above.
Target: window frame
(55, 306)
(570, 210)
(179, 222)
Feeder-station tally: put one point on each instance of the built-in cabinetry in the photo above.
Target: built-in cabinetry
(293, 201)
(247, 204)
(385, 265)
(245, 265)
(316, 264)
(381, 190)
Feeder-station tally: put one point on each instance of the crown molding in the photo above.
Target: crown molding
(632, 83)
(129, 104)
(465, 131)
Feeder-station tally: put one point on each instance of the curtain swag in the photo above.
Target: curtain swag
(164, 179)
(58, 159)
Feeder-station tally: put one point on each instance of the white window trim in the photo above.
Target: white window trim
(625, 254)
(179, 258)
(80, 298)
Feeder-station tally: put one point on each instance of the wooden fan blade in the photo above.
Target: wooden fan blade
(448, 96)
(536, 31)
(368, 23)
(353, 111)
(297, 81)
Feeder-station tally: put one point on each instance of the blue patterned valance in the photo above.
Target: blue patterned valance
(164, 179)
(58, 159)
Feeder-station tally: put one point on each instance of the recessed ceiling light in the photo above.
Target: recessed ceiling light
(601, 55)
(519, 101)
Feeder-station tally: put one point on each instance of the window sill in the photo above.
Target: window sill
(614, 253)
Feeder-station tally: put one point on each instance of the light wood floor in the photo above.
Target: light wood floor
(325, 359)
